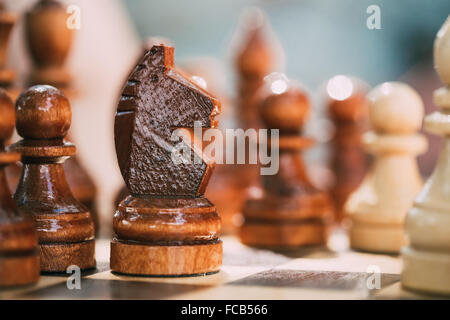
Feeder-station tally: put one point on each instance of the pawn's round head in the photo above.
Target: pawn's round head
(346, 99)
(283, 104)
(442, 52)
(395, 108)
(43, 112)
(6, 117)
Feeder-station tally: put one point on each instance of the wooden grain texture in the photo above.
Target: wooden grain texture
(65, 227)
(166, 226)
(166, 260)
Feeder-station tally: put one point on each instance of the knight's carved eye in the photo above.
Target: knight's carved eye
(154, 78)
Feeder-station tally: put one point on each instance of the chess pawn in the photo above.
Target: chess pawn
(426, 261)
(49, 41)
(348, 108)
(83, 187)
(377, 209)
(166, 227)
(65, 227)
(291, 212)
(80, 183)
(19, 257)
(7, 21)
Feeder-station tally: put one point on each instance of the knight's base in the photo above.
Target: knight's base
(165, 260)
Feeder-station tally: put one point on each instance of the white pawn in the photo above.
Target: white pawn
(377, 209)
(426, 261)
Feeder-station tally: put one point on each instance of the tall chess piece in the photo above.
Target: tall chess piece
(377, 209)
(166, 226)
(254, 59)
(426, 261)
(348, 108)
(19, 257)
(291, 212)
(49, 41)
(65, 227)
(7, 21)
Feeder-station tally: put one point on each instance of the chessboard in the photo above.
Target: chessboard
(333, 272)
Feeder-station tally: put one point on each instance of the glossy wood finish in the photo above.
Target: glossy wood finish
(80, 183)
(49, 42)
(19, 258)
(349, 162)
(292, 212)
(65, 227)
(7, 21)
(166, 227)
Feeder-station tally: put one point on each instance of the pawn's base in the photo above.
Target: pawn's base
(19, 270)
(377, 238)
(285, 235)
(59, 256)
(165, 260)
(426, 271)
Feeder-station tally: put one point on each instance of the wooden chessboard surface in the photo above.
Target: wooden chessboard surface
(334, 272)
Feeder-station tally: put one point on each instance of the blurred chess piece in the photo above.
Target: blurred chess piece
(291, 212)
(426, 261)
(19, 257)
(257, 54)
(348, 108)
(225, 188)
(49, 41)
(377, 209)
(7, 21)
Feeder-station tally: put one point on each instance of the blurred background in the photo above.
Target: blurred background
(319, 39)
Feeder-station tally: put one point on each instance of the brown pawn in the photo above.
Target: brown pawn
(65, 227)
(166, 226)
(7, 21)
(49, 41)
(348, 108)
(80, 183)
(19, 257)
(291, 212)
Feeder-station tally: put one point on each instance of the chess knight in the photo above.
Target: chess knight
(166, 226)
